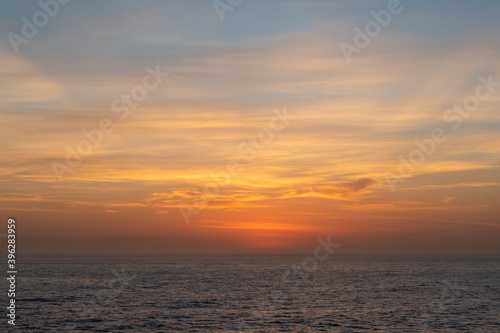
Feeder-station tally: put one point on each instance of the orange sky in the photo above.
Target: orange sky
(216, 118)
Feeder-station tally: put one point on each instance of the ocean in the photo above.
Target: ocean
(257, 294)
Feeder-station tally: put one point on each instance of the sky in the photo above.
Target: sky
(188, 127)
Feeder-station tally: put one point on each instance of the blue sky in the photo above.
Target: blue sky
(353, 120)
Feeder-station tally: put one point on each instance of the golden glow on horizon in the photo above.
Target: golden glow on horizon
(325, 172)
